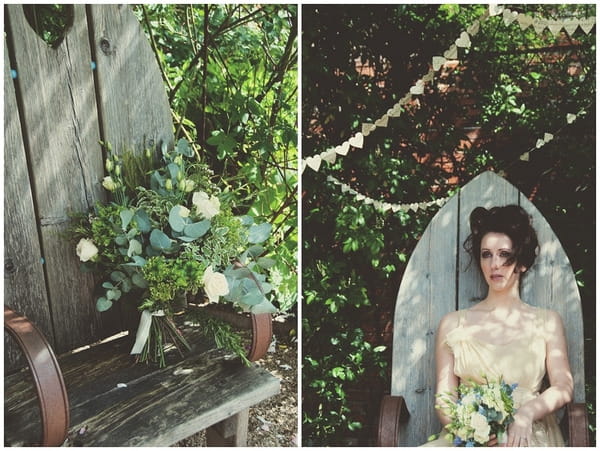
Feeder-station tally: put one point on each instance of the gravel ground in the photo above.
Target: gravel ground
(273, 422)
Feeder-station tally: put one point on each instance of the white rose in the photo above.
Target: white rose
(109, 183)
(205, 206)
(187, 185)
(215, 284)
(481, 426)
(184, 212)
(86, 250)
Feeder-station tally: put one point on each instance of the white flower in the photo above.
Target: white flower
(187, 185)
(184, 212)
(215, 284)
(86, 250)
(205, 206)
(481, 426)
(109, 183)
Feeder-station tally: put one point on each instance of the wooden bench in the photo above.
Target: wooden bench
(439, 279)
(101, 82)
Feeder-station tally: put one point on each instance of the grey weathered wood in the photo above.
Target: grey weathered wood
(134, 106)
(440, 278)
(158, 407)
(24, 286)
(59, 116)
(232, 431)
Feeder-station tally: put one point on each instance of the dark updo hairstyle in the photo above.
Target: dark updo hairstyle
(511, 220)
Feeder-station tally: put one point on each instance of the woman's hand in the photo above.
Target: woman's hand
(493, 441)
(520, 430)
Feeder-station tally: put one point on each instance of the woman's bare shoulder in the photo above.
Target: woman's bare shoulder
(449, 321)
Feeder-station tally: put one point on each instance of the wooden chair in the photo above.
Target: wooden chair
(439, 279)
(101, 82)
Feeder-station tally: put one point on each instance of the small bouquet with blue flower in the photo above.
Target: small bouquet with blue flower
(478, 411)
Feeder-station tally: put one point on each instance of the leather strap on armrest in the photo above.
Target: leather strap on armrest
(392, 412)
(52, 394)
(578, 424)
(262, 334)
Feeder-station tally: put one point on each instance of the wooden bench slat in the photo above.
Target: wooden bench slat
(156, 408)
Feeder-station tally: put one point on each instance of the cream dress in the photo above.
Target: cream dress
(521, 361)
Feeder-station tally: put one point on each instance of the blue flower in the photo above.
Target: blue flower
(457, 441)
(470, 444)
(513, 386)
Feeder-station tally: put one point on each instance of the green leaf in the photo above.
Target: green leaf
(121, 240)
(256, 250)
(126, 217)
(159, 240)
(263, 307)
(265, 262)
(176, 221)
(197, 229)
(139, 281)
(184, 148)
(135, 248)
(143, 221)
(107, 285)
(103, 304)
(259, 233)
(117, 276)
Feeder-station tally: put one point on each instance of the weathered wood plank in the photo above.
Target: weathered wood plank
(427, 292)
(134, 107)
(24, 287)
(158, 407)
(59, 114)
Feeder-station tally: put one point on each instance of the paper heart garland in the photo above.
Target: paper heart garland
(524, 21)
(473, 28)
(539, 143)
(343, 149)
(509, 16)
(418, 88)
(357, 140)
(437, 62)
(464, 40)
(570, 25)
(382, 121)
(302, 166)
(329, 156)
(554, 26)
(428, 76)
(314, 162)
(451, 53)
(494, 10)
(548, 137)
(539, 25)
(524, 157)
(587, 24)
(367, 128)
(395, 111)
(571, 118)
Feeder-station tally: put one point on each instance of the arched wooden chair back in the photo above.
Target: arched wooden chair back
(102, 82)
(439, 278)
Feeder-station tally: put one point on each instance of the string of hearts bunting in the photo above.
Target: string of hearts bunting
(463, 41)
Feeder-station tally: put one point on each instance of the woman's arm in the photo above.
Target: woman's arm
(557, 395)
(446, 380)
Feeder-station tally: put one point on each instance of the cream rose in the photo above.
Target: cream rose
(86, 249)
(205, 206)
(481, 426)
(109, 183)
(215, 284)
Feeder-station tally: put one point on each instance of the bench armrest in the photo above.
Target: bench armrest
(49, 384)
(262, 335)
(392, 413)
(576, 423)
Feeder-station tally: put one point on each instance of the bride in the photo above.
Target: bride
(503, 337)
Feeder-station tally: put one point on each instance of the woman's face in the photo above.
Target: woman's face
(496, 250)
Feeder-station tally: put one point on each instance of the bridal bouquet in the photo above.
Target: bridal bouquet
(479, 411)
(168, 233)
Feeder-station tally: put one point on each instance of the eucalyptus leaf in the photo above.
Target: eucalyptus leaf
(184, 148)
(126, 285)
(103, 304)
(143, 221)
(256, 250)
(173, 170)
(160, 240)
(252, 298)
(264, 307)
(108, 285)
(117, 276)
(135, 248)
(176, 221)
(126, 217)
(121, 240)
(139, 281)
(246, 220)
(259, 233)
(113, 294)
(265, 262)
(197, 229)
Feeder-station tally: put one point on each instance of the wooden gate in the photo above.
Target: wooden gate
(440, 278)
(101, 83)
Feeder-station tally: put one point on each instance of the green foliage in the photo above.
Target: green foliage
(231, 77)
(511, 87)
